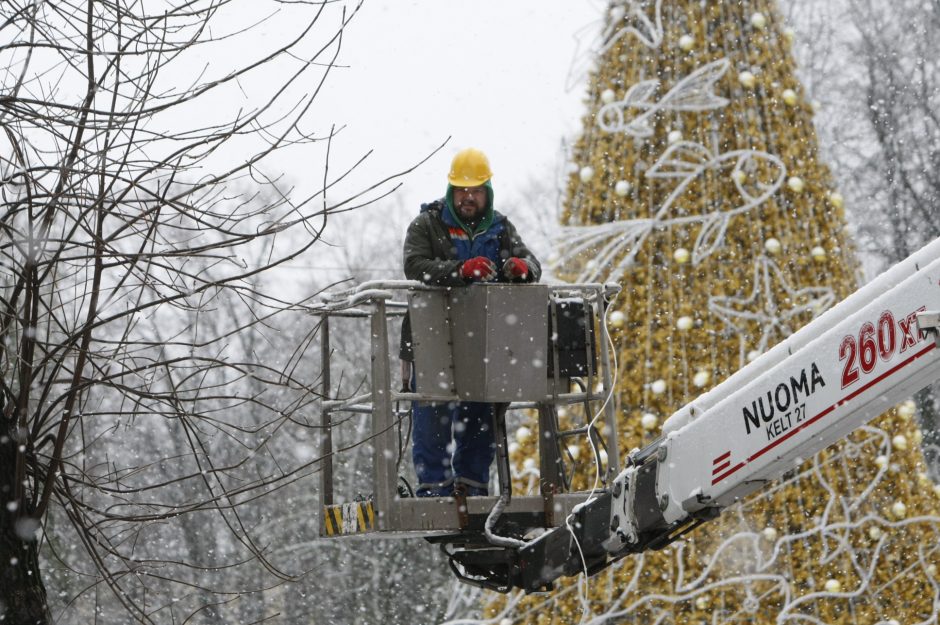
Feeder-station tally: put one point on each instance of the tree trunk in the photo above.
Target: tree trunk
(929, 418)
(22, 594)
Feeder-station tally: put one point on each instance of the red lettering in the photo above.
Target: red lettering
(847, 351)
(866, 347)
(887, 335)
(874, 341)
(908, 339)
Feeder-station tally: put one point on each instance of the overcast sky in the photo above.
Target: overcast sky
(489, 73)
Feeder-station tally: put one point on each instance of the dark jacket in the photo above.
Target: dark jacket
(437, 245)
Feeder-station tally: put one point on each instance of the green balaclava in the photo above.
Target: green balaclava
(487, 220)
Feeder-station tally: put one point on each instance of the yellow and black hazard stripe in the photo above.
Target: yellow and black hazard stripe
(349, 518)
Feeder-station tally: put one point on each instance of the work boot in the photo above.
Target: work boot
(438, 489)
(472, 488)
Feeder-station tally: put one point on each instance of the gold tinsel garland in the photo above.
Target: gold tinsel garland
(852, 535)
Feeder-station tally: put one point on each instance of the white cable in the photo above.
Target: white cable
(583, 582)
(496, 539)
(496, 511)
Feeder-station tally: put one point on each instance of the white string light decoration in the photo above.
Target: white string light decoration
(746, 574)
(625, 18)
(755, 562)
(631, 18)
(614, 245)
(762, 306)
(852, 535)
(693, 93)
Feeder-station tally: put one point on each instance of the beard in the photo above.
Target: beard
(470, 210)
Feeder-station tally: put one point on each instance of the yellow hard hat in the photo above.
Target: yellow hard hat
(470, 168)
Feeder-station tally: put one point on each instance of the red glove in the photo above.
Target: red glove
(479, 269)
(515, 268)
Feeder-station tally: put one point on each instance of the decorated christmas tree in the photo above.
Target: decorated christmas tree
(697, 187)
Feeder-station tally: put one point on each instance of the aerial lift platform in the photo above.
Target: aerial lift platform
(528, 347)
(852, 363)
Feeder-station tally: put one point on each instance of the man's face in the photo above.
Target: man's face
(470, 202)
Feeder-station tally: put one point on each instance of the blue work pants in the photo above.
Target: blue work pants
(464, 427)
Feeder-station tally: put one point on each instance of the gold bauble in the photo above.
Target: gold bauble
(836, 199)
(833, 585)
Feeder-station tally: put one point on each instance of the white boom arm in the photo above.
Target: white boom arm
(858, 359)
(855, 361)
